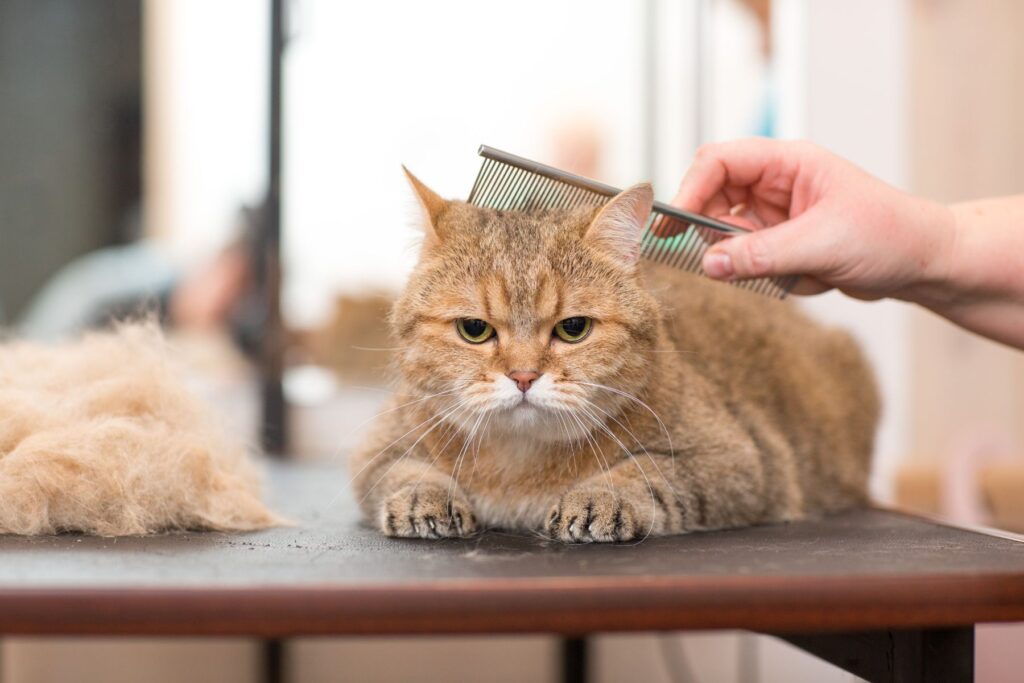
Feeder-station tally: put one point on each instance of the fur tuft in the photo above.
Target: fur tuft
(99, 436)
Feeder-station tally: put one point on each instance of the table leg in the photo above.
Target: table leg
(940, 655)
(273, 661)
(574, 660)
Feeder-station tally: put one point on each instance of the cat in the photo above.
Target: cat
(551, 381)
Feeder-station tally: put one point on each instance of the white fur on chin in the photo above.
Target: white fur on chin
(539, 415)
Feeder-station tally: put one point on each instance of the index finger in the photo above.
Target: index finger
(716, 166)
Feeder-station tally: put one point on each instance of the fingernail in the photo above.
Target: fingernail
(718, 265)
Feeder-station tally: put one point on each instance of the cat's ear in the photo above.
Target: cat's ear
(618, 226)
(433, 204)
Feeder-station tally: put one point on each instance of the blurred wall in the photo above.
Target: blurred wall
(206, 72)
(371, 86)
(70, 88)
(967, 142)
(843, 84)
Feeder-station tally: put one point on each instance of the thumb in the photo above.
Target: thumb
(784, 249)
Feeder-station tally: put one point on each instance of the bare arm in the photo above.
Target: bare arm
(842, 228)
(983, 288)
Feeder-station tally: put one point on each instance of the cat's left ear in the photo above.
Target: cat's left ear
(433, 204)
(618, 226)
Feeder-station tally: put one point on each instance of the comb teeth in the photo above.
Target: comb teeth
(509, 188)
(510, 183)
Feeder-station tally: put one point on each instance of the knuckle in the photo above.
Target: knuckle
(805, 148)
(754, 258)
(706, 152)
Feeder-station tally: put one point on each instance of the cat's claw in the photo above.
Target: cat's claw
(593, 515)
(427, 511)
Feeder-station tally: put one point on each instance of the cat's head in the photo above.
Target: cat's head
(533, 323)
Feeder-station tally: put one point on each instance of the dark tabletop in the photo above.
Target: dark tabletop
(332, 575)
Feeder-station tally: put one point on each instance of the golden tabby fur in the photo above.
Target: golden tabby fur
(100, 435)
(690, 405)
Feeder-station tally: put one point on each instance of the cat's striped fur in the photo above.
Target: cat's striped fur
(691, 405)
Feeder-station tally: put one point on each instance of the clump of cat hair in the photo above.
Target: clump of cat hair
(100, 436)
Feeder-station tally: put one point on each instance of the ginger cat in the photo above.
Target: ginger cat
(551, 382)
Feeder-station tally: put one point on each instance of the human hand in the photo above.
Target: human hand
(815, 214)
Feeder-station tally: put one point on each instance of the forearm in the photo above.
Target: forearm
(980, 285)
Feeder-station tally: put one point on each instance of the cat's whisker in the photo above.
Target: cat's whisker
(476, 453)
(462, 453)
(581, 436)
(636, 400)
(590, 404)
(452, 428)
(439, 419)
(602, 462)
(570, 440)
(451, 431)
(436, 419)
(391, 410)
(459, 384)
(629, 456)
(630, 432)
(561, 423)
(466, 449)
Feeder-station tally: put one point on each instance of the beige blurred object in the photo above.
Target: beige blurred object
(1003, 489)
(762, 9)
(917, 486)
(210, 353)
(356, 343)
(966, 141)
(577, 146)
(373, 660)
(921, 484)
(129, 660)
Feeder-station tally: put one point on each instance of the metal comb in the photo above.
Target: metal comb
(510, 183)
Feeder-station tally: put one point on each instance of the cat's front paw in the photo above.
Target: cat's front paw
(593, 513)
(427, 511)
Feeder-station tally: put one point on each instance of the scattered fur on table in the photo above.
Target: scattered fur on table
(100, 436)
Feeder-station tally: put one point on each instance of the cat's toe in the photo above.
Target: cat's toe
(589, 515)
(427, 511)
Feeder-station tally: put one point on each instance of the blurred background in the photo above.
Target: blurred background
(154, 158)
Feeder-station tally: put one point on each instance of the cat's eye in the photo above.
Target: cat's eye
(574, 329)
(473, 330)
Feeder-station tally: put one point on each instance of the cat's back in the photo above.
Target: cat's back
(804, 390)
(760, 347)
(724, 320)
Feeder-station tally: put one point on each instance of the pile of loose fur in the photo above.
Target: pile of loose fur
(99, 436)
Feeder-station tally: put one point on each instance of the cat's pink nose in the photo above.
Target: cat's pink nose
(523, 378)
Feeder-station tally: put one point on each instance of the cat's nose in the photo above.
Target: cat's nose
(523, 378)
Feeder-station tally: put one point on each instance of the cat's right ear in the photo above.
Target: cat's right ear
(617, 227)
(433, 205)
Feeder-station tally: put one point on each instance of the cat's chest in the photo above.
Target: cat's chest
(514, 484)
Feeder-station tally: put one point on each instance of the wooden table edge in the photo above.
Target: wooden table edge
(521, 605)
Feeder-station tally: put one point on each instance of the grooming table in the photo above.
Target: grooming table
(887, 596)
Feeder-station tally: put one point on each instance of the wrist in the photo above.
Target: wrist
(935, 283)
